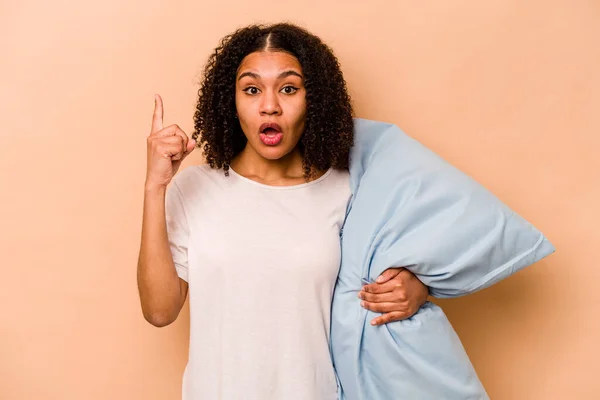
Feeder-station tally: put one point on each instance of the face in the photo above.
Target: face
(271, 103)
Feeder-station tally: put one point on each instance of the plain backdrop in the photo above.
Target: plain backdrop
(506, 90)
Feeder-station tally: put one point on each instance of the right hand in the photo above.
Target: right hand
(167, 147)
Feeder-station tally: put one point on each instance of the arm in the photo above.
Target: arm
(162, 292)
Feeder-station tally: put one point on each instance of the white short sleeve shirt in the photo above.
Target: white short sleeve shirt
(261, 263)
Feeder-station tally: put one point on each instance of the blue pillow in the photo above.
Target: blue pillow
(410, 208)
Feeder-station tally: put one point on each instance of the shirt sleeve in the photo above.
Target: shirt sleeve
(177, 229)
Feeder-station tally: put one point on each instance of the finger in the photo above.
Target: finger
(383, 307)
(175, 130)
(380, 298)
(191, 145)
(389, 317)
(171, 142)
(388, 274)
(172, 130)
(157, 117)
(173, 139)
(172, 151)
(158, 143)
(383, 287)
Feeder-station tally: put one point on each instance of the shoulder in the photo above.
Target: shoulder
(335, 179)
(190, 179)
(338, 176)
(195, 173)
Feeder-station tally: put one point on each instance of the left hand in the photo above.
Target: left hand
(397, 294)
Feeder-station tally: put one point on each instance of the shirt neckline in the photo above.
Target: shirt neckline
(275, 187)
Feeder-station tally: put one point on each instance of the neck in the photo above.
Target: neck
(251, 164)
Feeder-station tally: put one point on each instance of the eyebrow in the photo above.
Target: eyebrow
(284, 74)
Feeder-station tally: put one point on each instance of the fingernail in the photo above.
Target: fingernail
(379, 279)
(373, 322)
(362, 303)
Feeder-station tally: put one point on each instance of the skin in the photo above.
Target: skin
(270, 88)
(397, 293)
(162, 292)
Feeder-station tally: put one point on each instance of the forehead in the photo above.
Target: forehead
(265, 62)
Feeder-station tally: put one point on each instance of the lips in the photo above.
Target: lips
(270, 128)
(270, 134)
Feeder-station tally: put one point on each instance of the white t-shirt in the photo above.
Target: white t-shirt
(261, 262)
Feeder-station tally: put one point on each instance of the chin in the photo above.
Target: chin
(273, 153)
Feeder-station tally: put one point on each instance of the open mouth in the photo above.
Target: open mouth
(270, 129)
(270, 134)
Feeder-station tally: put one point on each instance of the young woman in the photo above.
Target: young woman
(255, 233)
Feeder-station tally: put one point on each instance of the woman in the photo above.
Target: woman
(255, 233)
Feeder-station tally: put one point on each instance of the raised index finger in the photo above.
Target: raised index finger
(157, 118)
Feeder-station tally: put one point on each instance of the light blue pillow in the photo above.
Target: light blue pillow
(410, 208)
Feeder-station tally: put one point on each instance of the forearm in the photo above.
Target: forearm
(158, 283)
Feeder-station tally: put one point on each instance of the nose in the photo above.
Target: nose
(270, 104)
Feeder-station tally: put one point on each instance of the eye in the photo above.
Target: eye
(252, 90)
(289, 89)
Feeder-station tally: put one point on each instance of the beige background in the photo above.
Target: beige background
(507, 90)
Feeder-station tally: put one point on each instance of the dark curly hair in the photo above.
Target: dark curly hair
(328, 133)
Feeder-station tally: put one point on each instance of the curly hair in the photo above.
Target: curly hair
(328, 132)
